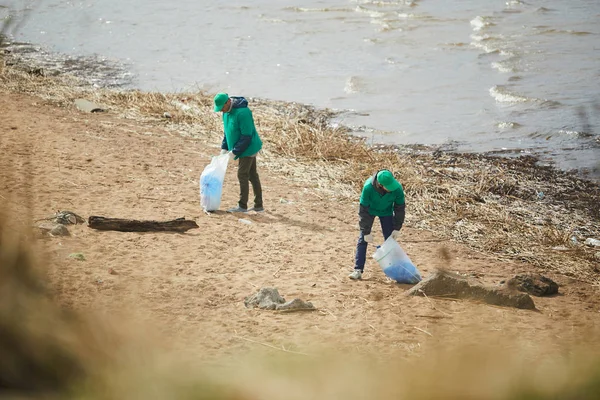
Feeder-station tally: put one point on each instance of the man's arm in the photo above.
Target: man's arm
(365, 222)
(399, 210)
(399, 213)
(224, 143)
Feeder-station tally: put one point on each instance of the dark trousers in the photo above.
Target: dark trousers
(387, 227)
(247, 173)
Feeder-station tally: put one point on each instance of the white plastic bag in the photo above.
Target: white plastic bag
(395, 263)
(211, 182)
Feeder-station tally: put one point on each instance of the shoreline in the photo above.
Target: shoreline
(102, 74)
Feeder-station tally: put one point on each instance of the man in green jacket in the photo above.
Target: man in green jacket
(382, 196)
(242, 142)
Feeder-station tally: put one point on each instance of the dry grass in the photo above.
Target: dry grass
(494, 205)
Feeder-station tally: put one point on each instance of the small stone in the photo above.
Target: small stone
(167, 115)
(535, 284)
(53, 229)
(59, 230)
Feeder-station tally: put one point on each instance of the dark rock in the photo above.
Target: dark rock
(447, 284)
(535, 284)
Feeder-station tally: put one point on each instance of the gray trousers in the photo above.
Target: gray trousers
(247, 174)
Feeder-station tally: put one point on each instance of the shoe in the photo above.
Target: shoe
(356, 275)
(258, 209)
(237, 209)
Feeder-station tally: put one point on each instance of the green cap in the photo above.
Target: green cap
(386, 179)
(220, 100)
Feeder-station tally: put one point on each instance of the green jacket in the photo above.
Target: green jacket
(376, 202)
(240, 133)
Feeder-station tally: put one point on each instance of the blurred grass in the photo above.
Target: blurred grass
(50, 352)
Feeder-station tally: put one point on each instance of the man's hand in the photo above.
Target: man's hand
(231, 155)
(395, 234)
(368, 238)
(223, 151)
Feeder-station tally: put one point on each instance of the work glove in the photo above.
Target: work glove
(231, 155)
(395, 234)
(368, 238)
(223, 151)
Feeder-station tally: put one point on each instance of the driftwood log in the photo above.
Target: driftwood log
(132, 225)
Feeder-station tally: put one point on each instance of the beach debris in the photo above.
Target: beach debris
(269, 299)
(77, 256)
(451, 285)
(191, 108)
(131, 225)
(53, 229)
(592, 242)
(68, 218)
(167, 115)
(87, 106)
(534, 284)
(245, 221)
(64, 218)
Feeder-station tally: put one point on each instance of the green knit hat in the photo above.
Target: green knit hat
(220, 100)
(386, 179)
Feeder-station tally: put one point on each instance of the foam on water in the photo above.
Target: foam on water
(370, 13)
(503, 67)
(478, 23)
(508, 125)
(502, 95)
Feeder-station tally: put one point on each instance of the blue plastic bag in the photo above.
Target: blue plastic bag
(211, 182)
(395, 263)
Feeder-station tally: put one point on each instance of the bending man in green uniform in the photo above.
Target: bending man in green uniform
(242, 142)
(382, 196)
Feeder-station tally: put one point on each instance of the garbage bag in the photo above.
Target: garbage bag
(211, 182)
(395, 263)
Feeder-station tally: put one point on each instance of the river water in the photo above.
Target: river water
(505, 77)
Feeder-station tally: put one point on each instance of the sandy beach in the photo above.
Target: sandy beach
(188, 289)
